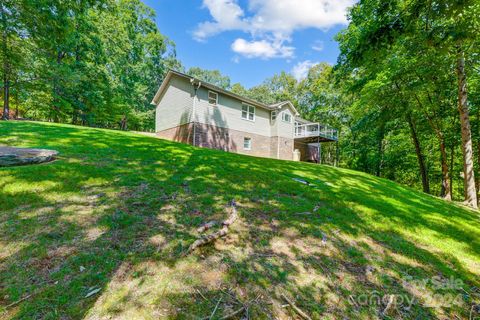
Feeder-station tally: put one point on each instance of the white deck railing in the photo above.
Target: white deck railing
(315, 130)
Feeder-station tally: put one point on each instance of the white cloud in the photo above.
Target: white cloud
(270, 22)
(300, 70)
(287, 16)
(318, 45)
(262, 49)
(226, 14)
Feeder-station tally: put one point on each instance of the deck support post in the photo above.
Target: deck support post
(319, 151)
(336, 153)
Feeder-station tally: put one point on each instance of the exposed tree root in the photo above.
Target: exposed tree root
(206, 239)
(207, 226)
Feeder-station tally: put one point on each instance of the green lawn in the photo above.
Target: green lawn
(114, 214)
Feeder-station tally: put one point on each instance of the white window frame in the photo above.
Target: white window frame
(248, 112)
(216, 98)
(249, 147)
(284, 113)
(273, 115)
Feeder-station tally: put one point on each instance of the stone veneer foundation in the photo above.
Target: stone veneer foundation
(213, 137)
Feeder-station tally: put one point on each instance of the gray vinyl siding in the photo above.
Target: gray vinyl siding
(281, 128)
(175, 106)
(228, 114)
(285, 129)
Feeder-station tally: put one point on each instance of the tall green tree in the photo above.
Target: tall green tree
(89, 62)
(421, 45)
(11, 58)
(211, 76)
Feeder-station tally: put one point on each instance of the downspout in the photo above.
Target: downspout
(278, 146)
(192, 81)
(278, 140)
(318, 141)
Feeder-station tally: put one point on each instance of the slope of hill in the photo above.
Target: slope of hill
(101, 233)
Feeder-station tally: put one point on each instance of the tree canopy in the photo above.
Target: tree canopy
(90, 62)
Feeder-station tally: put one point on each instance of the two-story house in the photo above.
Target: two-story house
(191, 111)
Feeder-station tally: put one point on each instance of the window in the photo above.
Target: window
(247, 143)
(212, 98)
(286, 116)
(273, 115)
(248, 112)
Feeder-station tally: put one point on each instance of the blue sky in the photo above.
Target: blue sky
(251, 40)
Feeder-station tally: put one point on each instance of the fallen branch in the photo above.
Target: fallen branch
(233, 314)
(206, 239)
(245, 307)
(201, 294)
(297, 309)
(18, 301)
(215, 310)
(35, 292)
(390, 304)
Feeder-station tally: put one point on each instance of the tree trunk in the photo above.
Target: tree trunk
(6, 70)
(6, 96)
(452, 159)
(56, 89)
(418, 151)
(437, 128)
(76, 109)
(16, 116)
(477, 172)
(446, 190)
(123, 123)
(470, 192)
(381, 135)
(478, 166)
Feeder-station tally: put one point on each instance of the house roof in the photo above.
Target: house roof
(301, 120)
(171, 73)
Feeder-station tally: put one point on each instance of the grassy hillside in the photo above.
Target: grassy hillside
(113, 216)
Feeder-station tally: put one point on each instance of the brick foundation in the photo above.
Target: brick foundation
(209, 136)
(213, 137)
(281, 148)
(182, 133)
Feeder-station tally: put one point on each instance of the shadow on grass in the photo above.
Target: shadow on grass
(117, 211)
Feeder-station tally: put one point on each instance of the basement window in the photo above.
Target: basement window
(247, 143)
(212, 98)
(248, 112)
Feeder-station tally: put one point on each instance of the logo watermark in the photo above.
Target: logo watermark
(435, 292)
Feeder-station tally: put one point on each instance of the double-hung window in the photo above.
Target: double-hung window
(212, 98)
(286, 116)
(273, 115)
(248, 112)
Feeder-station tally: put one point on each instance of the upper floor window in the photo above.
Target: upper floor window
(248, 112)
(212, 98)
(286, 116)
(273, 115)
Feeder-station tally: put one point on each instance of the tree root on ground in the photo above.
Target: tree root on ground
(206, 239)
